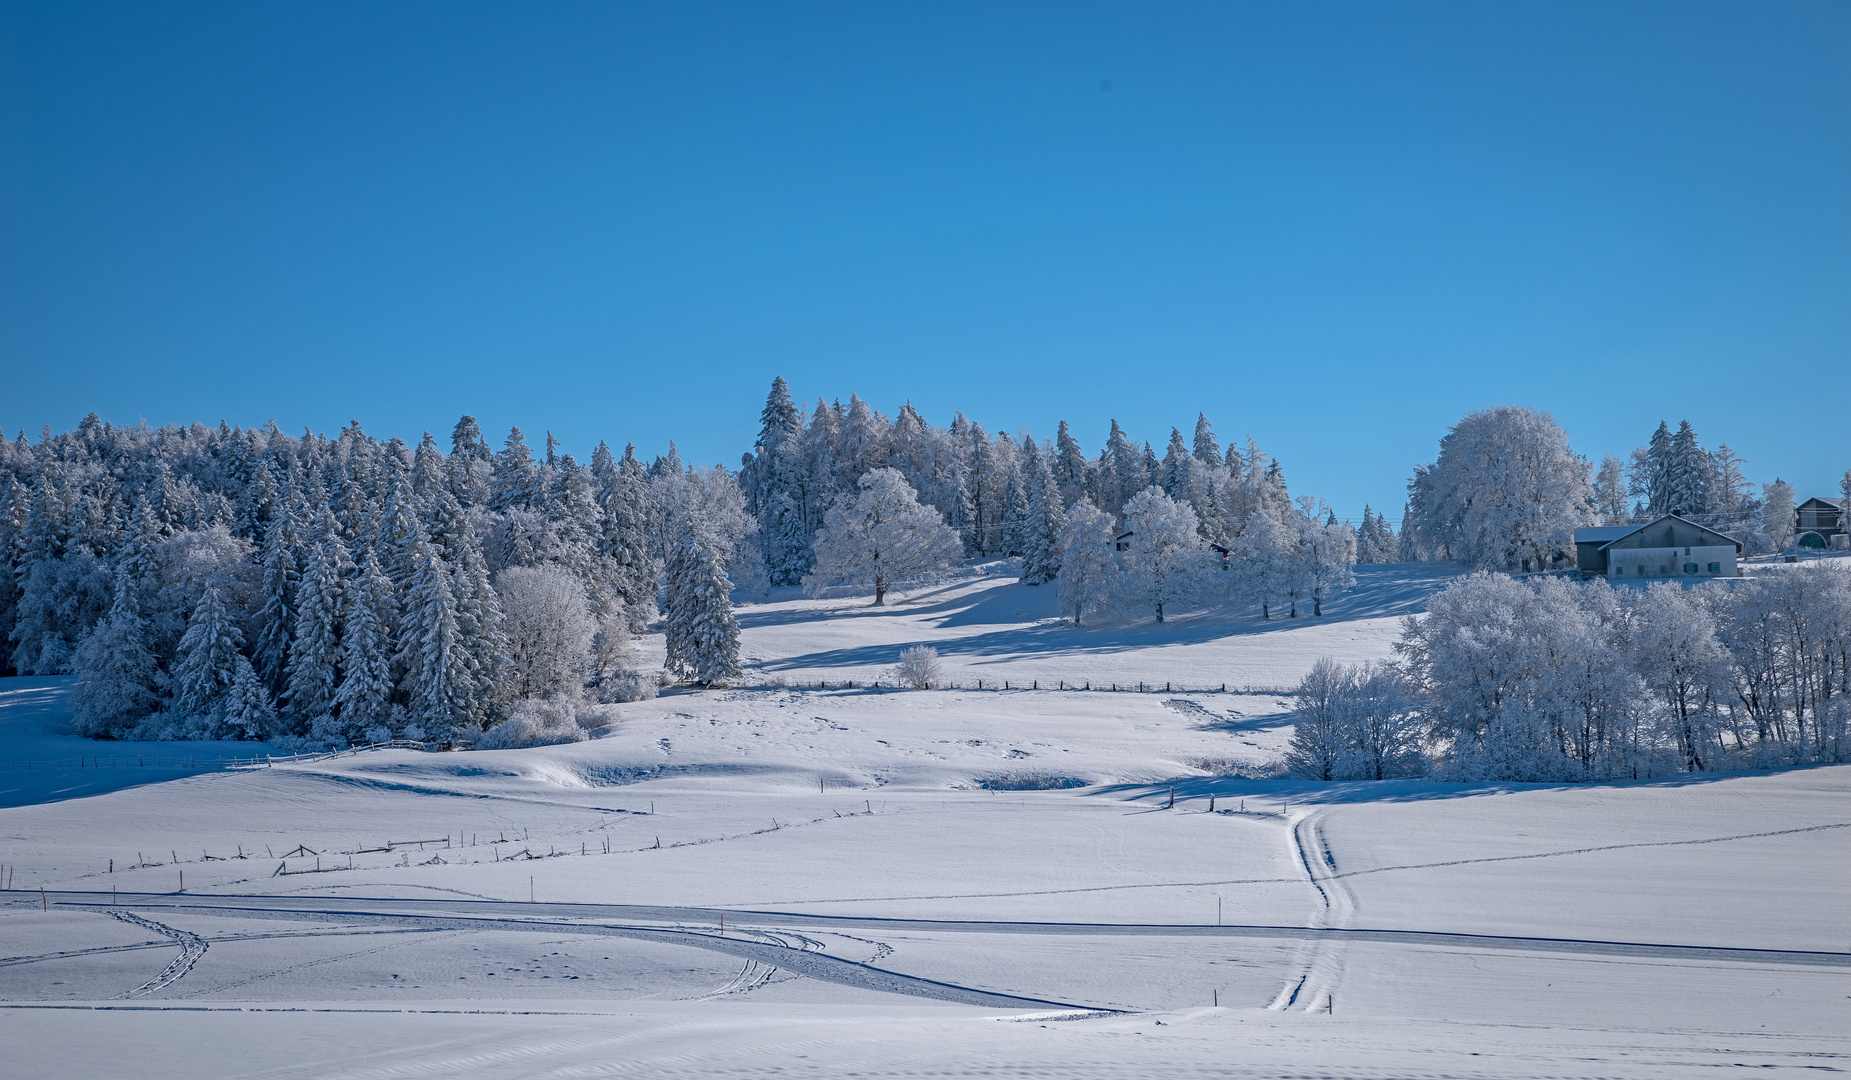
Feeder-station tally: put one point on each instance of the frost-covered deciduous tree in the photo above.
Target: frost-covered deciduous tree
(1677, 655)
(1326, 552)
(1265, 561)
(703, 635)
(1506, 492)
(880, 538)
(1166, 563)
(1610, 491)
(549, 631)
(1354, 723)
(1778, 516)
(919, 668)
(1089, 571)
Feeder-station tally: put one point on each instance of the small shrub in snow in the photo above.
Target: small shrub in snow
(535, 722)
(1014, 781)
(627, 686)
(919, 668)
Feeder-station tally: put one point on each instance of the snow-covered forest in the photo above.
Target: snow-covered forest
(245, 583)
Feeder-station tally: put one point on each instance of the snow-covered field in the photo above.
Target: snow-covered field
(858, 882)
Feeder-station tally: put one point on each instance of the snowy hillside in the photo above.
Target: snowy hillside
(993, 628)
(948, 883)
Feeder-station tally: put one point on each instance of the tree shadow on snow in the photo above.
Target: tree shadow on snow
(1268, 794)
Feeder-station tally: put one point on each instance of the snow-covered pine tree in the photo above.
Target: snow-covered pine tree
(516, 478)
(249, 713)
(321, 608)
(624, 496)
(1207, 449)
(1071, 468)
(1124, 465)
(441, 689)
(1089, 566)
(881, 538)
(703, 636)
(1166, 564)
(468, 469)
(1046, 521)
(364, 700)
(481, 627)
(205, 666)
(1176, 468)
(1650, 473)
(276, 623)
(119, 680)
(1691, 476)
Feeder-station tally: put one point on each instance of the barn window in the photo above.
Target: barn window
(1620, 570)
(1715, 568)
(1690, 568)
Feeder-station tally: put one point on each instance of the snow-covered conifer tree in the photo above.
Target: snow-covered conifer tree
(1207, 449)
(321, 608)
(205, 665)
(119, 680)
(1046, 521)
(516, 478)
(364, 700)
(881, 538)
(440, 686)
(249, 713)
(703, 636)
(1071, 468)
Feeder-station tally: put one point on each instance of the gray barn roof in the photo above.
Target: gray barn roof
(1600, 534)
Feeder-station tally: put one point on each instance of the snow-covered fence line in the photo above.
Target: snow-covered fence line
(200, 762)
(118, 761)
(1021, 685)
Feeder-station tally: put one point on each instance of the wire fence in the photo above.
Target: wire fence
(1019, 685)
(203, 762)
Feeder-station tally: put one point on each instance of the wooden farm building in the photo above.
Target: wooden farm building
(1670, 547)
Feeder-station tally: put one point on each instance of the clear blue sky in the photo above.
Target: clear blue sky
(1333, 227)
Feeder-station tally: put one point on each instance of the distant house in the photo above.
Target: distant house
(1820, 523)
(1669, 547)
(1122, 542)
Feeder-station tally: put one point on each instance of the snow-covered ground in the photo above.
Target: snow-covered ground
(994, 629)
(864, 882)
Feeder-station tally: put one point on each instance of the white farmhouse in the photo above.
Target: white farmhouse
(1670, 547)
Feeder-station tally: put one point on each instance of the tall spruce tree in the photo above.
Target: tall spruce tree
(703, 635)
